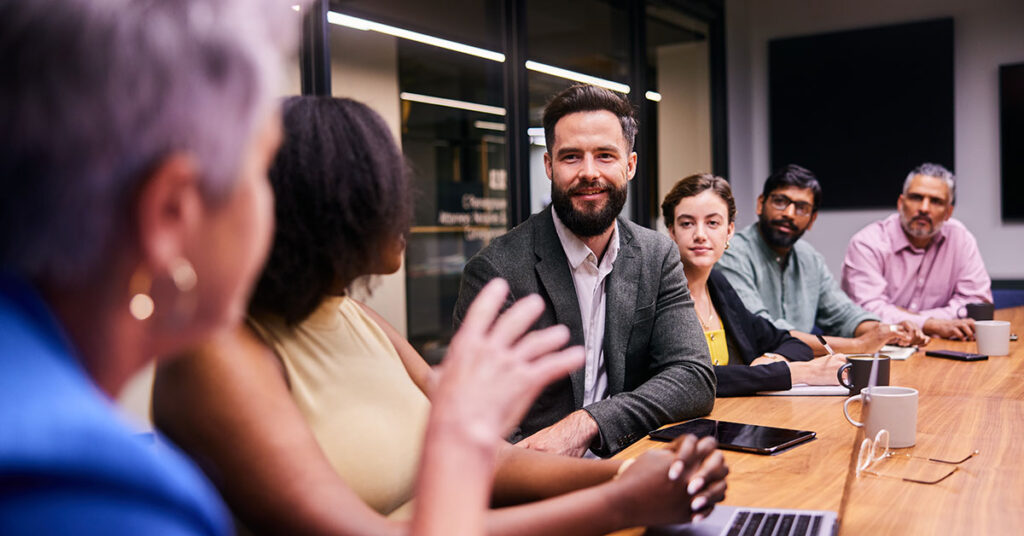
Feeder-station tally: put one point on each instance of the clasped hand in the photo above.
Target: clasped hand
(653, 497)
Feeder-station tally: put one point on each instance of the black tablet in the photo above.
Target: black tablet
(737, 436)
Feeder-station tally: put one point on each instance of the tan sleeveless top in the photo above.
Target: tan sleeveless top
(356, 395)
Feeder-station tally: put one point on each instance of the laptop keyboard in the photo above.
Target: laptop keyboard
(746, 523)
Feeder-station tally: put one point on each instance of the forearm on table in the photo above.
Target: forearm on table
(594, 510)
(682, 392)
(735, 380)
(527, 475)
(956, 308)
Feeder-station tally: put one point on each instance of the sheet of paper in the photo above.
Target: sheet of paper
(802, 389)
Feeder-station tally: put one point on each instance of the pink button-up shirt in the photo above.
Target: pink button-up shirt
(886, 275)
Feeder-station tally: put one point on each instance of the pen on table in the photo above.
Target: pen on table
(825, 344)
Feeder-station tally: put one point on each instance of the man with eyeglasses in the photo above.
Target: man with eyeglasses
(784, 279)
(920, 264)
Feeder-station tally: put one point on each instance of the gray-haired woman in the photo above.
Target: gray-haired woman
(134, 217)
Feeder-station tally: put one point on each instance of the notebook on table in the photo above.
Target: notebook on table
(802, 389)
(747, 521)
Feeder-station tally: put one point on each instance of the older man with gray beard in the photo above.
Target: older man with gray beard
(920, 264)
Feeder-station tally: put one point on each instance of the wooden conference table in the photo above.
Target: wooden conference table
(962, 406)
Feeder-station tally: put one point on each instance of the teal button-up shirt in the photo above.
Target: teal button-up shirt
(796, 292)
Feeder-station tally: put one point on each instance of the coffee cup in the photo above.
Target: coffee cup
(889, 408)
(980, 310)
(858, 371)
(993, 337)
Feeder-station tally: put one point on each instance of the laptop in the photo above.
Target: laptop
(747, 521)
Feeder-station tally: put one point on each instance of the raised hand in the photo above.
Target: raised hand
(494, 369)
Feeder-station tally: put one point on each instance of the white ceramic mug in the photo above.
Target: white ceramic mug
(893, 409)
(993, 337)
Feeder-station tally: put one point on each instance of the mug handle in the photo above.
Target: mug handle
(846, 410)
(839, 374)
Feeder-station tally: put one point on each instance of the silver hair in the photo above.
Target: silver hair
(96, 93)
(937, 171)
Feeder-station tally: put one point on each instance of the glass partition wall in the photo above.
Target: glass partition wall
(437, 73)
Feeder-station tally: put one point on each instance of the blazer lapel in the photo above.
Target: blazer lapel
(621, 291)
(556, 279)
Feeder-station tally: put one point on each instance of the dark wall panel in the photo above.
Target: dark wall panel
(862, 108)
(1011, 111)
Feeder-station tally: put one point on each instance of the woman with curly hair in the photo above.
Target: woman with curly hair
(311, 419)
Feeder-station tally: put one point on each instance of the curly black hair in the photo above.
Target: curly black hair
(341, 193)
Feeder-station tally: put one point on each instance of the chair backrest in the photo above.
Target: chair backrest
(1007, 297)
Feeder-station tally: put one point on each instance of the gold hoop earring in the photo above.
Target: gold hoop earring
(183, 274)
(726, 244)
(141, 304)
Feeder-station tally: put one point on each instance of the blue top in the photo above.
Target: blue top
(796, 292)
(69, 464)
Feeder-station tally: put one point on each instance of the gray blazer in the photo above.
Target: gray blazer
(659, 368)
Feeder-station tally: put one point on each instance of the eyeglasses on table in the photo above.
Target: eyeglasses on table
(873, 451)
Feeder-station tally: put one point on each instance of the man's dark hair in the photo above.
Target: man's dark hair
(340, 193)
(793, 175)
(587, 98)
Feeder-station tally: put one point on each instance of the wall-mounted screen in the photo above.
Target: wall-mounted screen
(1011, 128)
(861, 108)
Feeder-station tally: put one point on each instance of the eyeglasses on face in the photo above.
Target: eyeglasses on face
(874, 451)
(780, 202)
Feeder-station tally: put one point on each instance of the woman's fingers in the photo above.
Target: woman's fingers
(485, 307)
(683, 452)
(703, 504)
(538, 343)
(711, 469)
(516, 321)
(556, 365)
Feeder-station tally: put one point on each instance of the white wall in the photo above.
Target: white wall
(987, 33)
(684, 115)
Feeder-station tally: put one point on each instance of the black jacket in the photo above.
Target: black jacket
(748, 336)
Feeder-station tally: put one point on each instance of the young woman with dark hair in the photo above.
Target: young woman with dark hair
(699, 212)
(311, 418)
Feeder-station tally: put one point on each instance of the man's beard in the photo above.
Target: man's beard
(776, 238)
(588, 223)
(919, 232)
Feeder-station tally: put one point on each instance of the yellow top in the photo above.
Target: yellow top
(716, 344)
(363, 408)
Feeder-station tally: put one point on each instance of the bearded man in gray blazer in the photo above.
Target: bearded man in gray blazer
(617, 286)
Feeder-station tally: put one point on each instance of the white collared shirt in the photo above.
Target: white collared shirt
(589, 277)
